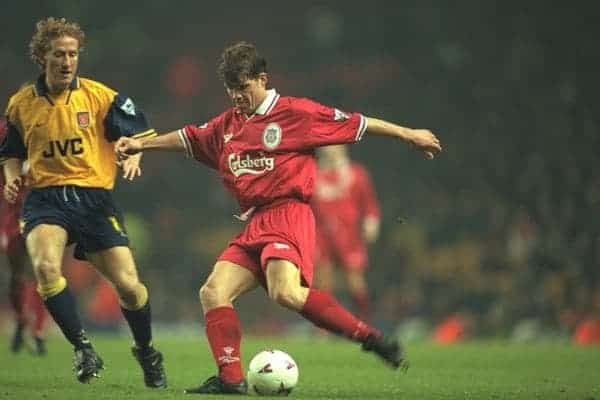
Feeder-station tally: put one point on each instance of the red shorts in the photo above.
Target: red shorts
(10, 227)
(284, 230)
(349, 253)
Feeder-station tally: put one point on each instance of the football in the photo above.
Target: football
(272, 373)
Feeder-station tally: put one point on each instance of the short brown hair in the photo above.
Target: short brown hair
(239, 62)
(49, 29)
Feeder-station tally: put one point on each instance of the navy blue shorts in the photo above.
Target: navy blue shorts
(89, 215)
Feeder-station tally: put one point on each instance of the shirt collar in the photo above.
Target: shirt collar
(268, 103)
(42, 90)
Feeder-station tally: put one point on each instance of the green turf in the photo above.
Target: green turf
(329, 369)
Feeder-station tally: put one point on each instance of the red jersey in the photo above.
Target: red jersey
(344, 197)
(270, 155)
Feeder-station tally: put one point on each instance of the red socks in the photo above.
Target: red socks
(224, 336)
(323, 310)
(224, 333)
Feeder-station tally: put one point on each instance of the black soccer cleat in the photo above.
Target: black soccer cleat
(18, 339)
(214, 385)
(389, 349)
(151, 362)
(87, 364)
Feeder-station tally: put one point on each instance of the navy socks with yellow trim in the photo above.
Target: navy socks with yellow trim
(140, 324)
(61, 304)
(63, 308)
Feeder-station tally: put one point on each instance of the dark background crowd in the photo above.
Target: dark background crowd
(502, 229)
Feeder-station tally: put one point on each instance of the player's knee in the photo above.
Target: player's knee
(132, 296)
(47, 270)
(286, 298)
(125, 281)
(209, 295)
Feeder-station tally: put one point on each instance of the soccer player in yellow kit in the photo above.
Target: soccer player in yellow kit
(65, 126)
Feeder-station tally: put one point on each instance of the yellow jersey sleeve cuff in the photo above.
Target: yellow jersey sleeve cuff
(145, 134)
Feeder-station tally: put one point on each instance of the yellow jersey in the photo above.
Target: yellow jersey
(68, 139)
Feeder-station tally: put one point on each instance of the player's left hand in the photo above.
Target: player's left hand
(426, 141)
(131, 166)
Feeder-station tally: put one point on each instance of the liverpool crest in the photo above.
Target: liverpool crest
(272, 136)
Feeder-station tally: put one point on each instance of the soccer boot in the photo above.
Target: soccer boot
(151, 362)
(87, 364)
(388, 349)
(214, 385)
(17, 341)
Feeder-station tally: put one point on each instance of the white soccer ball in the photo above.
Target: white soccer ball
(272, 373)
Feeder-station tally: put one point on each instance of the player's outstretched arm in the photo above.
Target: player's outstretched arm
(127, 146)
(422, 139)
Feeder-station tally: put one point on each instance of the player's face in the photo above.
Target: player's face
(249, 94)
(61, 63)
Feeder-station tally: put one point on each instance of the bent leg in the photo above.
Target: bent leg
(226, 282)
(46, 244)
(319, 307)
(117, 265)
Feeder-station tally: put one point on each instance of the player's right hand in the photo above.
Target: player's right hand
(126, 147)
(11, 190)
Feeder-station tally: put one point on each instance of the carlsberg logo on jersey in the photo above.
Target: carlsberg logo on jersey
(239, 165)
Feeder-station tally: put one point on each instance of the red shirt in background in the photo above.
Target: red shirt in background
(344, 198)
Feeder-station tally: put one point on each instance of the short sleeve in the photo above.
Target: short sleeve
(329, 125)
(200, 142)
(125, 119)
(12, 145)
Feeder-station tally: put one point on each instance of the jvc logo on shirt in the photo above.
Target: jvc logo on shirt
(248, 165)
(63, 147)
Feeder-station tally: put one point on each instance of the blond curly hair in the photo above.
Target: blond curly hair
(49, 29)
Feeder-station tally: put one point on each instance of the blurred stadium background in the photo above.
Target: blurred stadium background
(499, 236)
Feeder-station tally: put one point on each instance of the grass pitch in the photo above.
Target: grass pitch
(329, 369)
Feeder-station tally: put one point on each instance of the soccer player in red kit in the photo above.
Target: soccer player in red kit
(263, 148)
(28, 306)
(347, 216)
